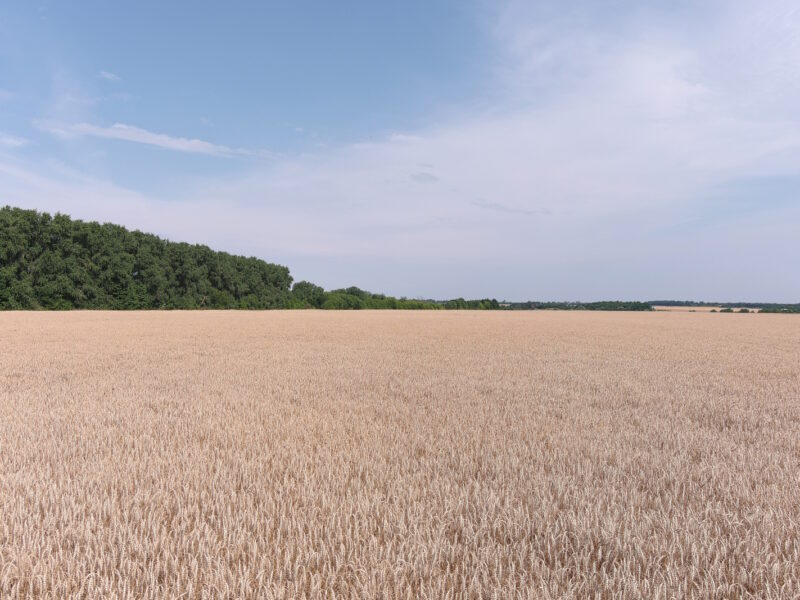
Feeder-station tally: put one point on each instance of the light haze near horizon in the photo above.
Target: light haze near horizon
(516, 150)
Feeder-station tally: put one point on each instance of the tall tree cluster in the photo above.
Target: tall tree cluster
(55, 262)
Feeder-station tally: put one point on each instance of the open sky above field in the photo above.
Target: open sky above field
(522, 150)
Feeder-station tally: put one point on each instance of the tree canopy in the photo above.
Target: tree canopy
(55, 262)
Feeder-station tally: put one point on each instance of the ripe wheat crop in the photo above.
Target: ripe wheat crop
(399, 455)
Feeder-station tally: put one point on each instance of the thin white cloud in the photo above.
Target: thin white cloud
(129, 133)
(424, 177)
(108, 76)
(402, 137)
(500, 207)
(12, 141)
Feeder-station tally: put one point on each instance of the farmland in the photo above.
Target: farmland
(689, 308)
(311, 454)
(703, 308)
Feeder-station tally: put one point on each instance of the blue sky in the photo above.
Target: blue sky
(522, 150)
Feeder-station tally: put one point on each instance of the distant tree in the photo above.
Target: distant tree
(342, 301)
(307, 295)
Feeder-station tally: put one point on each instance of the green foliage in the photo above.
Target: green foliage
(59, 263)
(340, 301)
(604, 305)
(306, 295)
(461, 304)
(781, 308)
(353, 298)
(764, 307)
(726, 310)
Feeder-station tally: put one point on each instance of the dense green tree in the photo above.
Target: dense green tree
(342, 301)
(307, 295)
(61, 263)
(781, 308)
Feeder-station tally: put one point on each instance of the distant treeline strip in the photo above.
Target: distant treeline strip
(55, 262)
(764, 307)
(603, 305)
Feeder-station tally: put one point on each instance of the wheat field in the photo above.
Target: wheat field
(399, 455)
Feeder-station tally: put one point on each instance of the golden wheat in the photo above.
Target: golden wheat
(399, 455)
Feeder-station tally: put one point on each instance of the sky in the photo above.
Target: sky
(584, 150)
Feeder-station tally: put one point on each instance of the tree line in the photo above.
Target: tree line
(55, 262)
(764, 307)
(602, 305)
(308, 295)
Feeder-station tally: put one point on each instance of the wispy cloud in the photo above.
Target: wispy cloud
(130, 133)
(424, 177)
(108, 76)
(12, 141)
(502, 208)
(403, 137)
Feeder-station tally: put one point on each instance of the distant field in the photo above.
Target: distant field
(310, 454)
(697, 308)
(686, 308)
